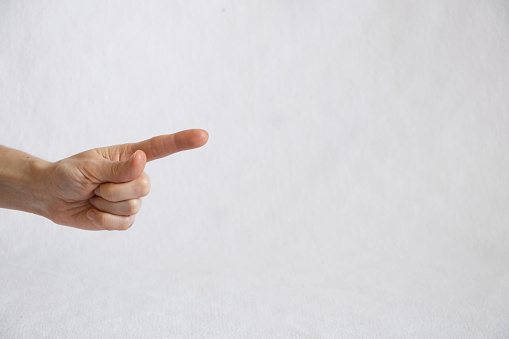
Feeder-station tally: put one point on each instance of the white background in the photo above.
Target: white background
(355, 183)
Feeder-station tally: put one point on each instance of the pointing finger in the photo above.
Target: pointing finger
(164, 145)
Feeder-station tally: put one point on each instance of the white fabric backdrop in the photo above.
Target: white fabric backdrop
(355, 184)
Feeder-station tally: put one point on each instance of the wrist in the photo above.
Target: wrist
(22, 182)
(36, 189)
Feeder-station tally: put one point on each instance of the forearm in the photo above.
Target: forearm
(20, 181)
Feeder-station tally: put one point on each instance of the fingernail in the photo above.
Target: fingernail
(97, 191)
(92, 200)
(91, 215)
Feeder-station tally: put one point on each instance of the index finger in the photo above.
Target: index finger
(164, 145)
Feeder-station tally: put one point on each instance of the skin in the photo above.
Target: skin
(99, 189)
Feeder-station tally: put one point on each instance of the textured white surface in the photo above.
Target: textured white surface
(355, 184)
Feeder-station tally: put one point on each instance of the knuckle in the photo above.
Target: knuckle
(156, 147)
(123, 227)
(133, 206)
(144, 186)
(126, 224)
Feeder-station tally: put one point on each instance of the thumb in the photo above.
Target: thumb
(123, 171)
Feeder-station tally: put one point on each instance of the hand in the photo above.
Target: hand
(101, 189)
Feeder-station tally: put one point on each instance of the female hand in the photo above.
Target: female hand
(101, 189)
